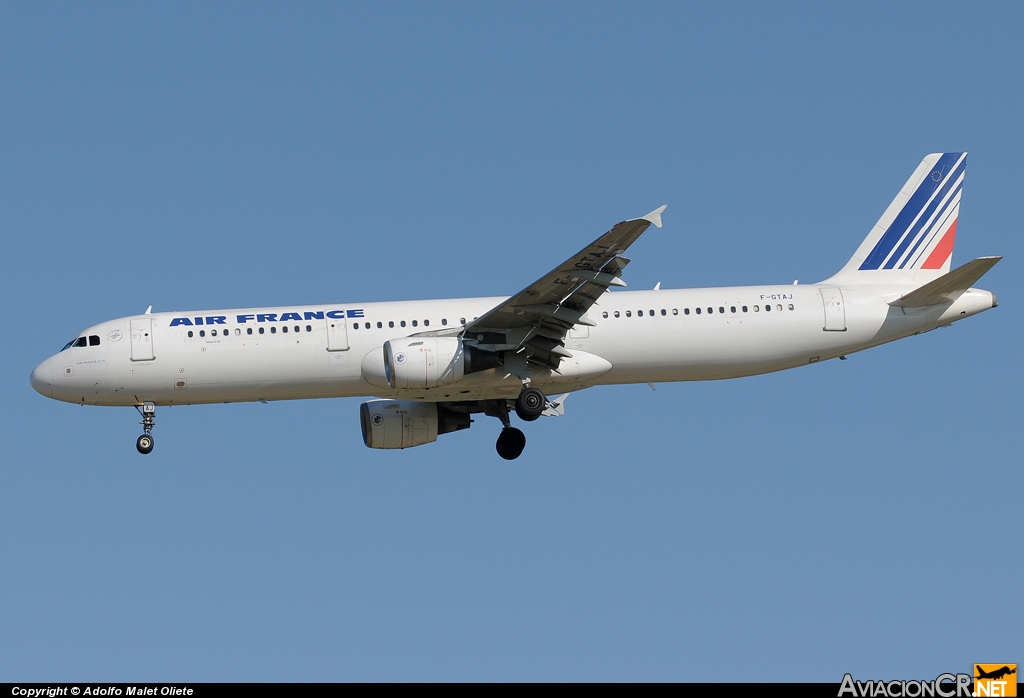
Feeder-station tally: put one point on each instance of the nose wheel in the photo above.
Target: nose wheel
(144, 443)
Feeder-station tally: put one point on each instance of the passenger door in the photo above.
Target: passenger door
(142, 339)
(835, 310)
(337, 334)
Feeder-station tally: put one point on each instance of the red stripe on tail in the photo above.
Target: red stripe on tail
(942, 251)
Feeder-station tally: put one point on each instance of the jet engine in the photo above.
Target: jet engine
(403, 424)
(429, 362)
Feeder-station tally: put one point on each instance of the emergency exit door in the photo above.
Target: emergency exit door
(142, 339)
(835, 310)
(337, 334)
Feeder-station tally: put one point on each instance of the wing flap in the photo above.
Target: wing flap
(561, 298)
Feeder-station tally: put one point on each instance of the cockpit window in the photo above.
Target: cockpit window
(80, 342)
(94, 340)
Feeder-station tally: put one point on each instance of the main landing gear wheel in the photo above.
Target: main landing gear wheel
(530, 403)
(144, 444)
(511, 443)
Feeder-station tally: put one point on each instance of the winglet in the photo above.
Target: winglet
(556, 407)
(655, 216)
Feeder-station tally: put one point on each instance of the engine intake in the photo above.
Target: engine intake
(429, 362)
(404, 424)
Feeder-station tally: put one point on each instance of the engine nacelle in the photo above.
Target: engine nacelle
(404, 424)
(412, 363)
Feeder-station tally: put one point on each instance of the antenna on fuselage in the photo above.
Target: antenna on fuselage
(148, 310)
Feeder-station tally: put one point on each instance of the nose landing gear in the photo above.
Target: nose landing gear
(144, 443)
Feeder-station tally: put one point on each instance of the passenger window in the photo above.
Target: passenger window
(732, 308)
(698, 310)
(284, 328)
(629, 313)
(238, 332)
(402, 323)
(711, 311)
(202, 333)
(744, 308)
(779, 307)
(767, 307)
(652, 312)
(380, 325)
(391, 323)
(462, 321)
(426, 323)
(94, 340)
(190, 333)
(604, 314)
(415, 323)
(639, 313)
(310, 328)
(663, 312)
(616, 313)
(444, 321)
(686, 311)
(675, 311)
(721, 310)
(273, 330)
(757, 308)
(248, 330)
(261, 330)
(791, 306)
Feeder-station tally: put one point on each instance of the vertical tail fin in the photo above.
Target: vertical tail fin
(913, 240)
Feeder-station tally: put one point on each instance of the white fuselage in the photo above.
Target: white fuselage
(638, 337)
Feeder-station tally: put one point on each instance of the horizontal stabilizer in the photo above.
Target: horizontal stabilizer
(948, 287)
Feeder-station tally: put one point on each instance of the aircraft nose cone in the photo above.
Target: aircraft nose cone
(41, 380)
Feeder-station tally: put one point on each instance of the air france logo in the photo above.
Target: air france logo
(400, 358)
(294, 316)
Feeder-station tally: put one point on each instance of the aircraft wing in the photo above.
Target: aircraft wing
(539, 317)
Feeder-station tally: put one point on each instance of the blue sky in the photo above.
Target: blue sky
(852, 516)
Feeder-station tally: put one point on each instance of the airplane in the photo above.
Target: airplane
(996, 674)
(432, 364)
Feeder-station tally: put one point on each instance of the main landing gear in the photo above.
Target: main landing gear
(530, 404)
(145, 442)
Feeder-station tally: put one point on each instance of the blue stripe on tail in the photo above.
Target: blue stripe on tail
(895, 233)
(948, 183)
